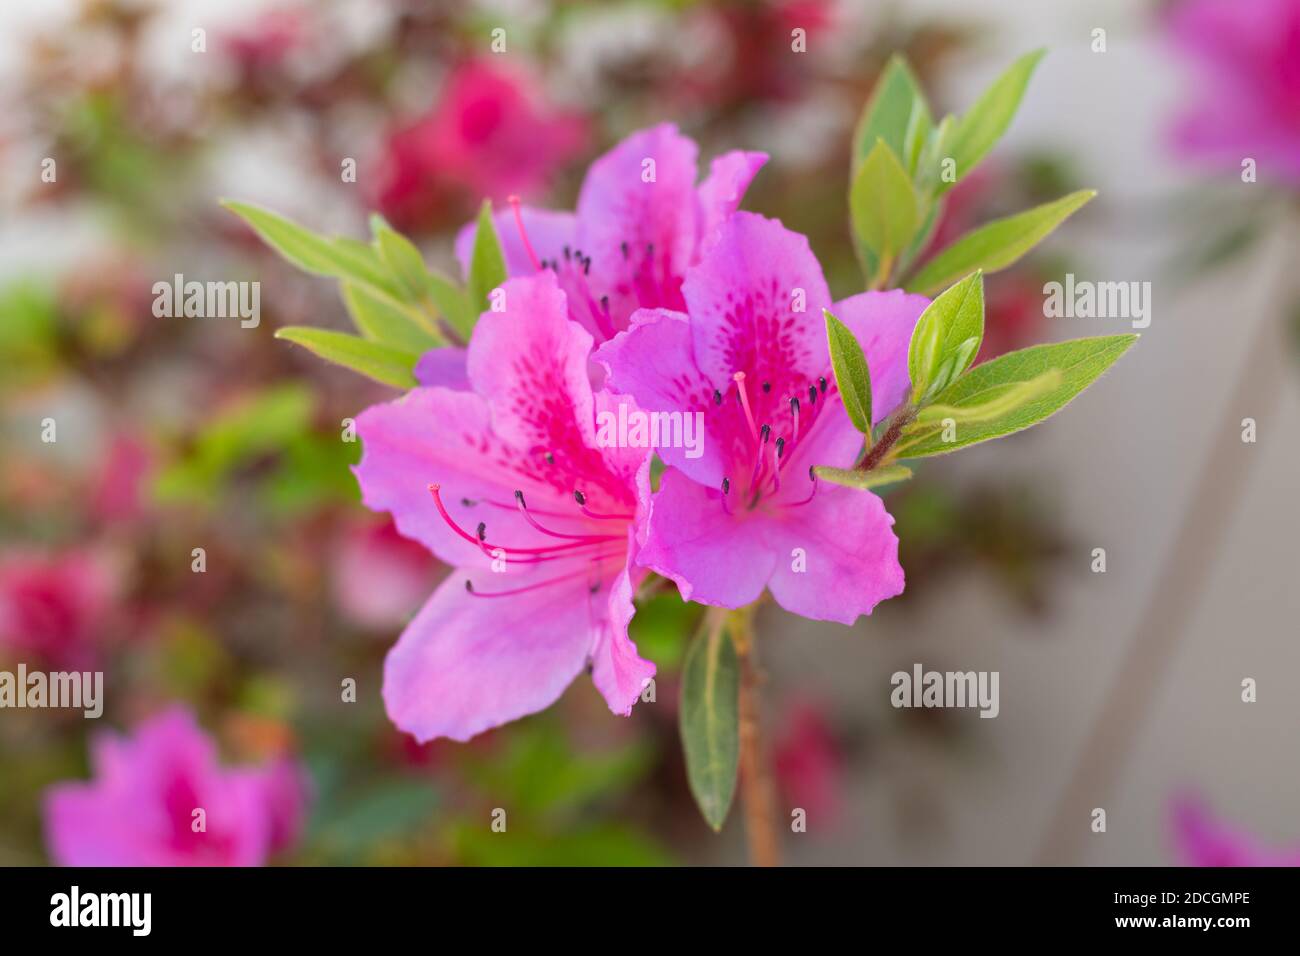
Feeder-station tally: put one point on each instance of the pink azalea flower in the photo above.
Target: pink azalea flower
(380, 577)
(1247, 102)
(1203, 840)
(139, 810)
(488, 135)
(54, 606)
(747, 513)
(516, 481)
(631, 241)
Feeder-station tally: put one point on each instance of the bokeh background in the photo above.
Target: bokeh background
(1119, 690)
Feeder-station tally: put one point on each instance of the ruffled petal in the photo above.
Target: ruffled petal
(843, 540)
(723, 189)
(467, 663)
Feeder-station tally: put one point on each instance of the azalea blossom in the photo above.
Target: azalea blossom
(1202, 839)
(160, 797)
(749, 354)
(55, 606)
(1246, 103)
(503, 481)
(489, 134)
(641, 222)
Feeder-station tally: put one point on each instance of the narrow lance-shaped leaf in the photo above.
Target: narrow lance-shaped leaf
(710, 722)
(402, 258)
(864, 480)
(983, 124)
(998, 402)
(1078, 363)
(896, 112)
(487, 267)
(340, 258)
(452, 303)
(386, 320)
(383, 363)
(995, 245)
(851, 373)
(882, 206)
(947, 337)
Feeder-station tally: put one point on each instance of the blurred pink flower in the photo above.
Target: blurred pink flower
(53, 605)
(1203, 840)
(264, 43)
(488, 135)
(119, 488)
(140, 810)
(1247, 99)
(380, 577)
(808, 763)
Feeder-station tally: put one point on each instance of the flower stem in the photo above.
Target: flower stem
(756, 788)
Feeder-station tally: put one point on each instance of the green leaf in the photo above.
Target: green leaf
(882, 205)
(984, 123)
(383, 363)
(896, 112)
(947, 337)
(851, 373)
(709, 722)
(853, 478)
(487, 267)
(1078, 363)
(452, 303)
(386, 320)
(337, 257)
(402, 258)
(997, 244)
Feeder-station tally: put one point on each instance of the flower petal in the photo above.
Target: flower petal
(549, 231)
(639, 221)
(445, 367)
(723, 189)
(883, 322)
(845, 542)
(714, 558)
(467, 663)
(653, 362)
(618, 672)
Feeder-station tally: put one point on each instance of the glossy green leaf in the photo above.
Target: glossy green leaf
(710, 723)
(851, 373)
(896, 112)
(947, 337)
(386, 320)
(452, 303)
(882, 206)
(402, 258)
(383, 363)
(980, 127)
(995, 245)
(338, 257)
(853, 478)
(487, 268)
(1078, 364)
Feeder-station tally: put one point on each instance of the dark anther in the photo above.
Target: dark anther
(482, 530)
(726, 486)
(717, 397)
(550, 459)
(812, 394)
(780, 446)
(468, 502)
(794, 406)
(469, 585)
(604, 303)
(764, 433)
(821, 382)
(623, 247)
(568, 253)
(767, 387)
(579, 497)
(811, 475)
(519, 497)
